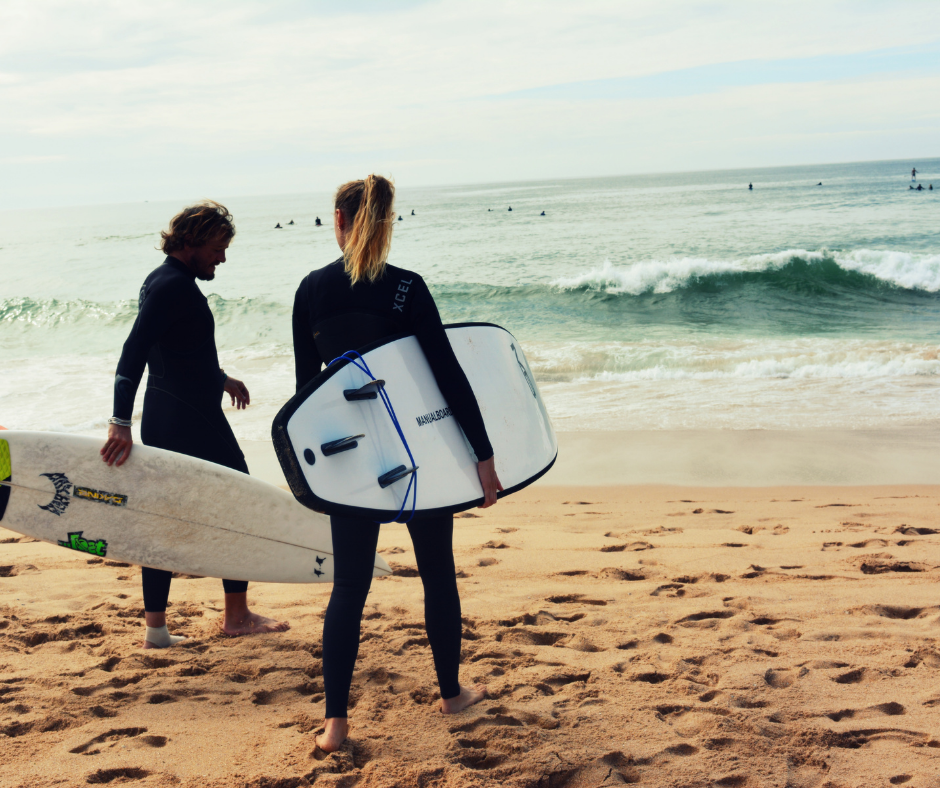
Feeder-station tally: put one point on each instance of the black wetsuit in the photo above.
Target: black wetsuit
(331, 317)
(174, 335)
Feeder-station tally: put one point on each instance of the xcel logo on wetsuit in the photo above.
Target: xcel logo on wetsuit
(399, 296)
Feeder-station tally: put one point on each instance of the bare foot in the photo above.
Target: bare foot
(336, 729)
(467, 697)
(252, 624)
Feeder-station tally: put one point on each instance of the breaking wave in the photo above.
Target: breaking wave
(859, 270)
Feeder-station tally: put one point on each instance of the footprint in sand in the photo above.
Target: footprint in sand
(614, 768)
(669, 590)
(616, 573)
(651, 677)
(856, 739)
(579, 598)
(780, 678)
(633, 547)
(909, 530)
(530, 637)
(708, 619)
(113, 735)
(857, 676)
(926, 657)
(102, 712)
(870, 543)
(103, 776)
(879, 564)
(896, 612)
(503, 717)
(891, 709)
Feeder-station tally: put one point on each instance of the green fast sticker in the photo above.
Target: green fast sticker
(6, 465)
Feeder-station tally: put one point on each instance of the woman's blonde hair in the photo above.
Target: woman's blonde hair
(368, 207)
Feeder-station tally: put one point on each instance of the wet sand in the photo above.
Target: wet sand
(658, 635)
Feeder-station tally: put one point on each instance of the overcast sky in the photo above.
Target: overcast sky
(122, 100)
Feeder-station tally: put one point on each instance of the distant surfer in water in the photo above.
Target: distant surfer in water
(318, 223)
(914, 174)
(278, 226)
(174, 335)
(291, 221)
(356, 300)
(412, 211)
(750, 187)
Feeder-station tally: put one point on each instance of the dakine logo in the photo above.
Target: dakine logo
(91, 546)
(430, 418)
(112, 499)
(60, 503)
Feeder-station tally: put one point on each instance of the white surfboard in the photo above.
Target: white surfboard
(344, 478)
(161, 509)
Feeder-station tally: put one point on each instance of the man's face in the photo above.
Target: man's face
(205, 259)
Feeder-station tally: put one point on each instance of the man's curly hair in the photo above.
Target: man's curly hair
(197, 225)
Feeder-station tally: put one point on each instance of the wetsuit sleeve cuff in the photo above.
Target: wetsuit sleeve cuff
(485, 452)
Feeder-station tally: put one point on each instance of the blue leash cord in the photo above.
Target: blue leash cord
(360, 363)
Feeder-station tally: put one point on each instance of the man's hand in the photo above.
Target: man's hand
(238, 392)
(117, 448)
(489, 480)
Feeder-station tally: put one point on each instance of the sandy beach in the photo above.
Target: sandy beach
(662, 635)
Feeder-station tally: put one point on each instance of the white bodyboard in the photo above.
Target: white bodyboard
(516, 420)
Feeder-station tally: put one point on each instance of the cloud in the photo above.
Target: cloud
(267, 97)
(31, 159)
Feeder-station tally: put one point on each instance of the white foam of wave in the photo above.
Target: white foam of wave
(901, 269)
(700, 384)
(732, 359)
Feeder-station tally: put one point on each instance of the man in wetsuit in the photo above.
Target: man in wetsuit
(174, 335)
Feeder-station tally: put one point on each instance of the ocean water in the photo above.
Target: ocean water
(679, 301)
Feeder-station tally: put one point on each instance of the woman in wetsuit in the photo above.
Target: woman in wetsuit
(356, 300)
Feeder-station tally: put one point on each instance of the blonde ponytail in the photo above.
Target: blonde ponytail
(368, 206)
